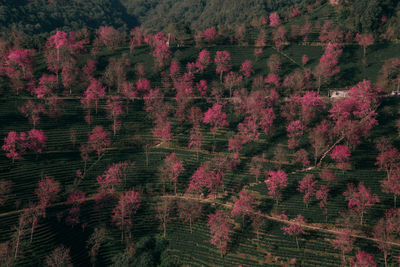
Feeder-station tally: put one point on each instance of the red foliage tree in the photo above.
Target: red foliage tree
(256, 165)
(171, 169)
(222, 61)
(242, 205)
(110, 37)
(364, 40)
(114, 108)
(93, 94)
(341, 154)
(136, 38)
(363, 259)
(75, 199)
(47, 191)
(195, 140)
(384, 235)
(275, 182)
(220, 230)
(189, 211)
(59, 257)
(322, 195)
(36, 140)
(359, 199)
(343, 242)
(307, 186)
(99, 140)
(328, 64)
(203, 60)
(327, 176)
(246, 68)
(231, 80)
(128, 205)
(209, 175)
(14, 145)
(216, 118)
(294, 131)
(210, 34)
(32, 111)
(301, 156)
(295, 228)
(274, 20)
(202, 87)
(279, 37)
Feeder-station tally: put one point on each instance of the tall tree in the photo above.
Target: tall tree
(220, 230)
(359, 199)
(128, 205)
(189, 211)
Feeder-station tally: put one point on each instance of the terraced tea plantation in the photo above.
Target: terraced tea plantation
(199, 155)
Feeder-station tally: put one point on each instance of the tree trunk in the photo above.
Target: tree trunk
(190, 223)
(394, 200)
(297, 242)
(165, 228)
(362, 215)
(385, 257)
(147, 155)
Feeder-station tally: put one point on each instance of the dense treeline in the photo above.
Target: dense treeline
(39, 17)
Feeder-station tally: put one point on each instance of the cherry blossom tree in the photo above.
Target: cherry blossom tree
(36, 140)
(203, 60)
(343, 242)
(96, 239)
(171, 169)
(220, 230)
(109, 37)
(222, 61)
(99, 140)
(363, 259)
(47, 191)
(136, 38)
(279, 37)
(14, 145)
(59, 257)
(341, 154)
(392, 186)
(32, 111)
(195, 140)
(295, 228)
(246, 68)
(359, 199)
(210, 34)
(127, 206)
(274, 63)
(256, 165)
(209, 175)
(384, 235)
(304, 60)
(189, 211)
(274, 20)
(164, 209)
(301, 156)
(307, 186)
(114, 110)
(231, 80)
(216, 118)
(93, 94)
(275, 182)
(75, 199)
(328, 176)
(328, 64)
(364, 40)
(242, 205)
(322, 195)
(294, 131)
